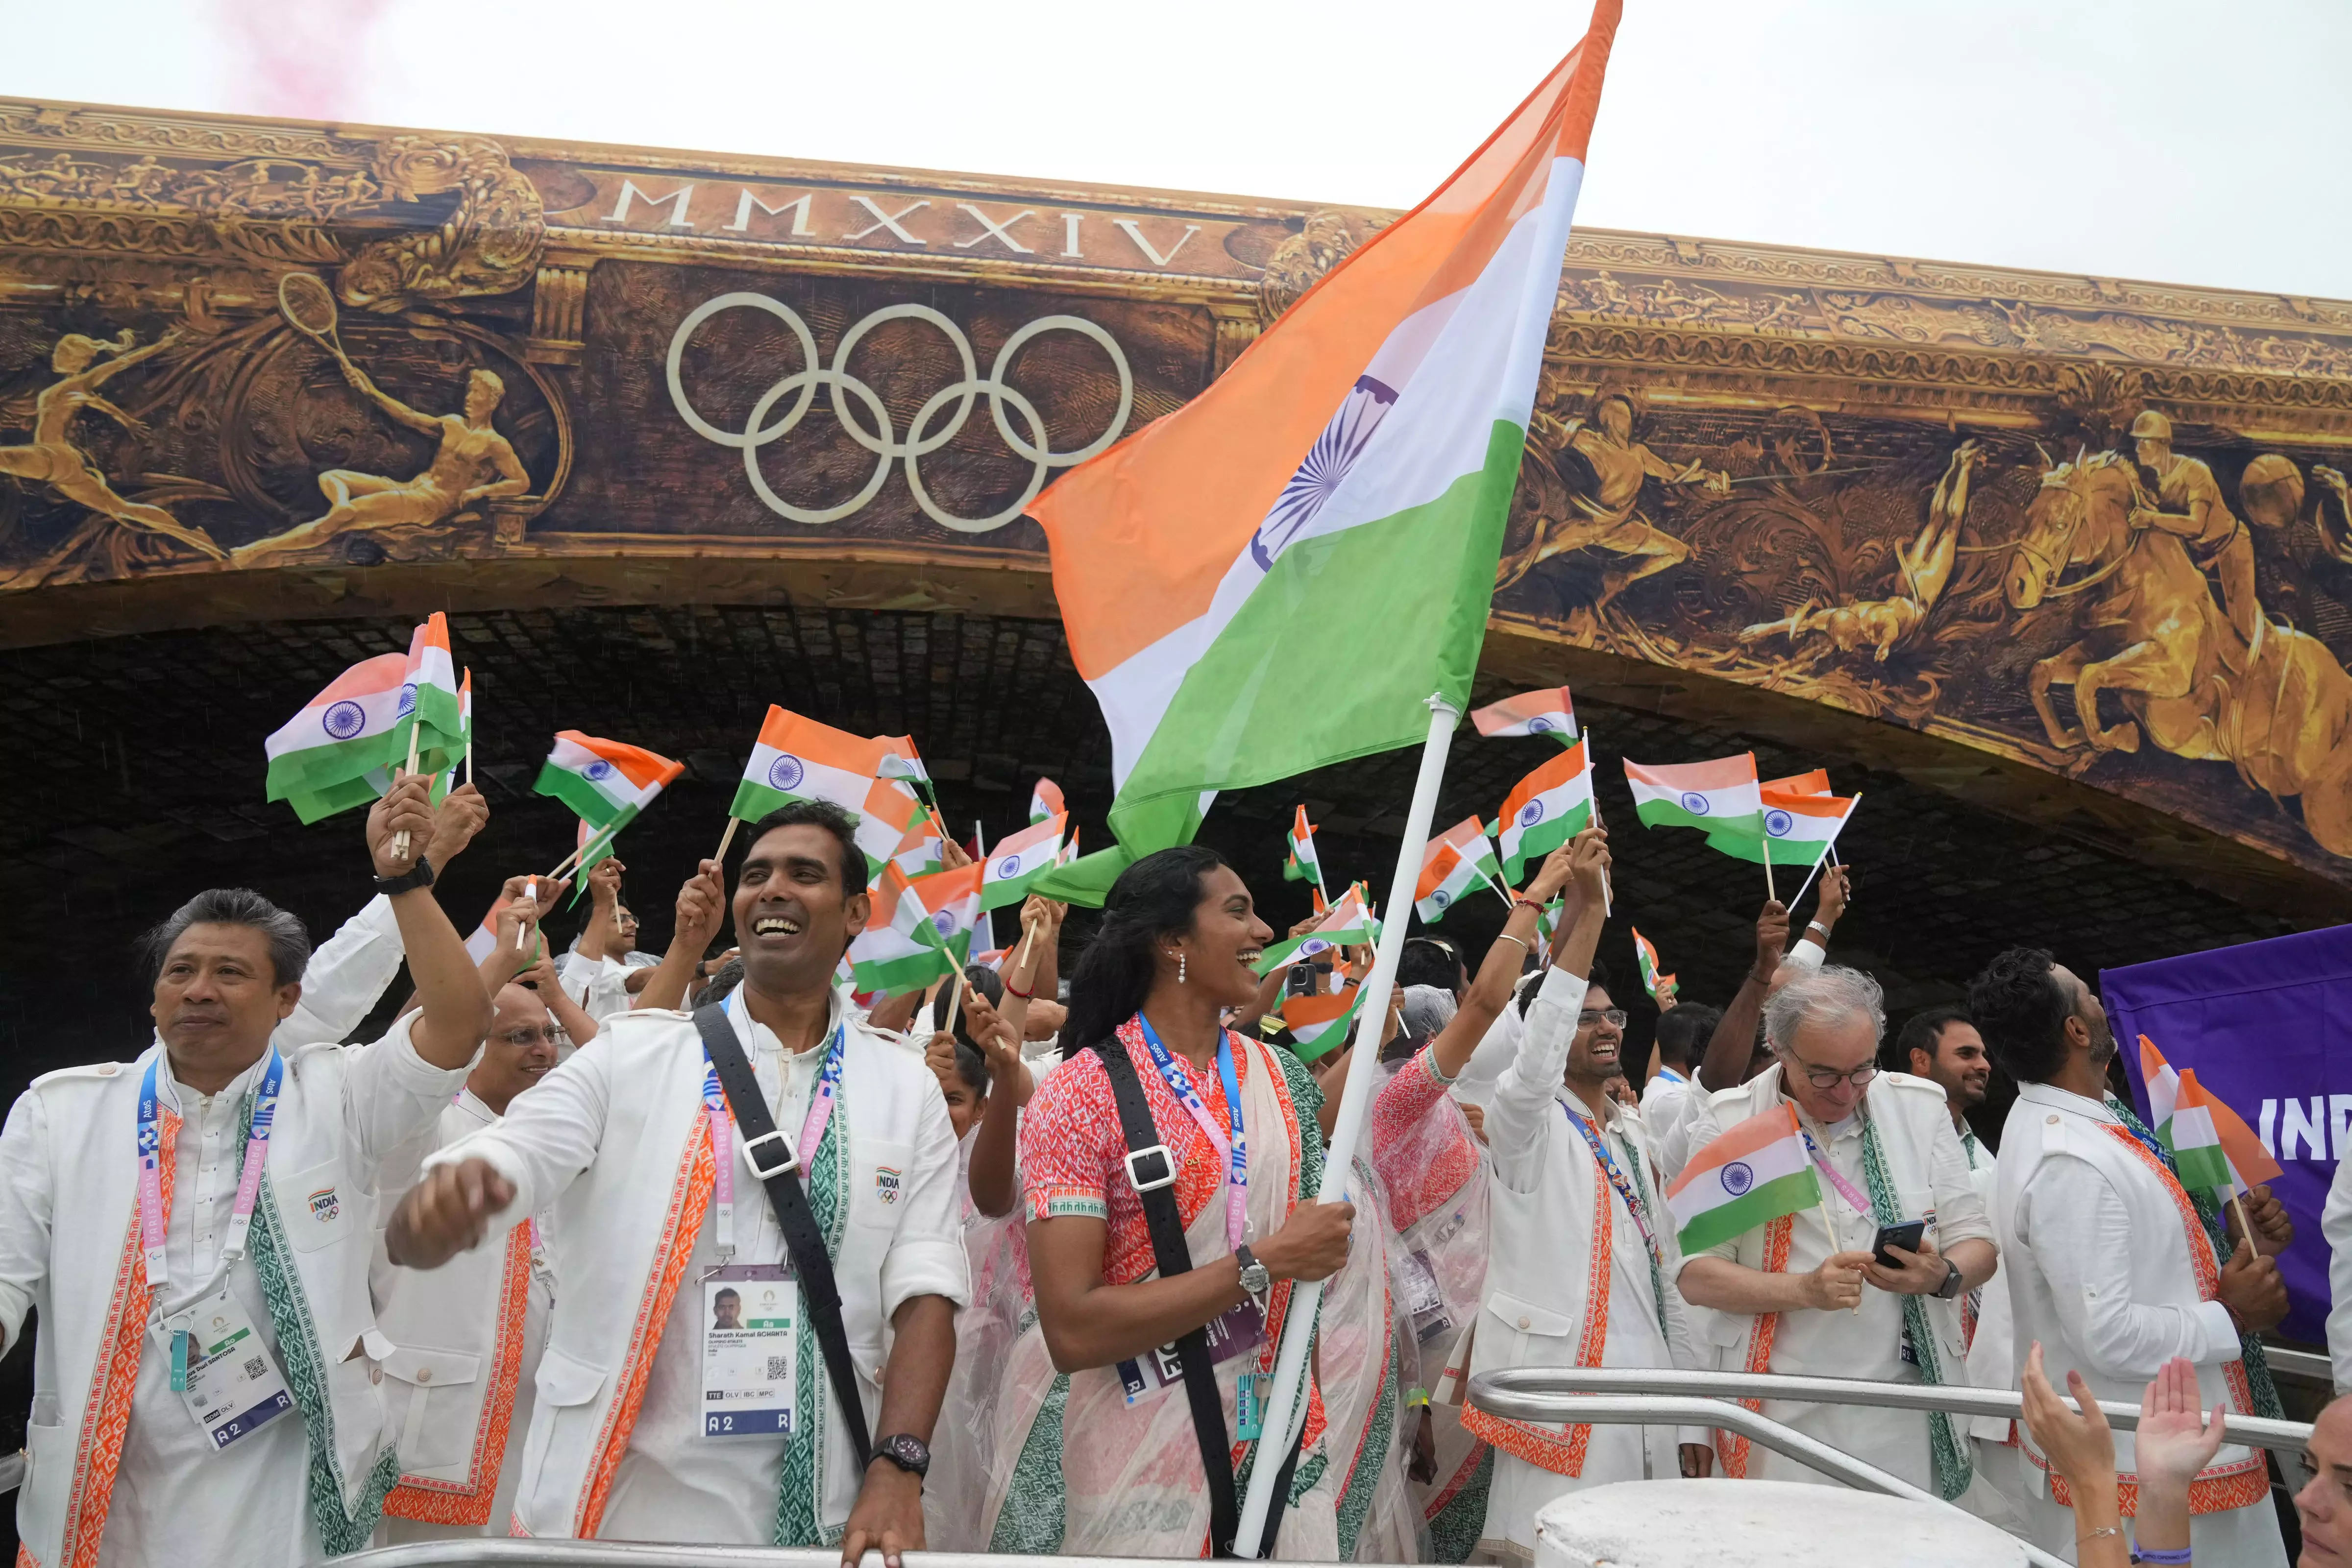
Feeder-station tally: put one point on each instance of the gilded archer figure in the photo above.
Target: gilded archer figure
(473, 463)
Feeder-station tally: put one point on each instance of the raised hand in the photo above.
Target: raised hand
(406, 807)
(605, 880)
(2174, 1439)
(701, 909)
(461, 814)
(1771, 939)
(447, 1213)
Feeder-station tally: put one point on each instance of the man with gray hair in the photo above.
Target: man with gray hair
(1843, 1290)
(194, 1227)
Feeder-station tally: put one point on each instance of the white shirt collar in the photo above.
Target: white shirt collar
(167, 1084)
(2066, 1100)
(760, 1040)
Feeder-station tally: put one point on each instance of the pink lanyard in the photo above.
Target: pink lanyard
(722, 1125)
(1855, 1200)
(153, 1225)
(1231, 1147)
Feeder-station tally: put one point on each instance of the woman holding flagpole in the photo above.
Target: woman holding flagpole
(1159, 1108)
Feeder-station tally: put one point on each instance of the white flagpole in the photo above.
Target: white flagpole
(1832, 854)
(1286, 1411)
(987, 916)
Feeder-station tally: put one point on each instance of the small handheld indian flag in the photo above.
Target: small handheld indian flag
(918, 852)
(485, 939)
(1646, 956)
(318, 758)
(899, 759)
(950, 901)
(1719, 797)
(605, 782)
(1750, 1175)
(430, 698)
(797, 759)
(1346, 924)
(1798, 829)
(590, 844)
(2202, 1124)
(899, 950)
(1550, 806)
(1319, 1020)
(2163, 1088)
(1547, 713)
(1303, 864)
(1455, 862)
(1046, 800)
(1013, 866)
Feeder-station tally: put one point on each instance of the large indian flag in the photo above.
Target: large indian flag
(1550, 806)
(605, 782)
(1750, 1175)
(797, 759)
(1719, 797)
(899, 950)
(320, 757)
(1336, 500)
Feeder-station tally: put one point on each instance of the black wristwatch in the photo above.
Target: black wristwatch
(416, 876)
(911, 1454)
(1951, 1285)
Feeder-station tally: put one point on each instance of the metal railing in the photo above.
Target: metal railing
(1560, 1394)
(505, 1554)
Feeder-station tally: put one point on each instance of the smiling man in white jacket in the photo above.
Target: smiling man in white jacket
(619, 1142)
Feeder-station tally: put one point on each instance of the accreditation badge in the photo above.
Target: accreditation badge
(751, 1338)
(1238, 1331)
(222, 1371)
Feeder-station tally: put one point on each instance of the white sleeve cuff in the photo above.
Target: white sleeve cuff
(1563, 989)
(1807, 953)
(2220, 1334)
(924, 1266)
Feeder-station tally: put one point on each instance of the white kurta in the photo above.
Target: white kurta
(2101, 1274)
(456, 1304)
(600, 986)
(2336, 1225)
(1539, 1286)
(347, 975)
(1930, 1174)
(1662, 1101)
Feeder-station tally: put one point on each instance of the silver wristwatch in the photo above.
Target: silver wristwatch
(1254, 1278)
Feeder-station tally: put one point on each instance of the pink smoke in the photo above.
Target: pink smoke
(299, 59)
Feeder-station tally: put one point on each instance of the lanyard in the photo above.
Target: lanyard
(1855, 1200)
(1232, 1145)
(154, 1231)
(1608, 1163)
(722, 1124)
(1670, 1076)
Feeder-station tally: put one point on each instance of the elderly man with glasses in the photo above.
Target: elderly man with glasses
(1803, 1294)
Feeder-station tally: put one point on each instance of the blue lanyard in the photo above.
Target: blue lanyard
(1236, 1146)
(1616, 1177)
(261, 1112)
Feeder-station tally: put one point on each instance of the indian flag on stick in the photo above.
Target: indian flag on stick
(1046, 800)
(1013, 866)
(1303, 864)
(607, 782)
(1550, 806)
(1346, 924)
(590, 843)
(2163, 1088)
(918, 852)
(899, 950)
(1548, 712)
(1646, 957)
(1321, 1020)
(1720, 798)
(1798, 829)
(430, 699)
(951, 900)
(1455, 862)
(318, 758)
(899, 759)
(1336, 499)
(2202, 1122)
(797, 759)
(1751, 1176)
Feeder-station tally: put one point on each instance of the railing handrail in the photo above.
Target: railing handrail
(1558, 1393)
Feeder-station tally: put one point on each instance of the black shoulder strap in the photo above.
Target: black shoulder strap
(762, 1142)
(1152, 1169)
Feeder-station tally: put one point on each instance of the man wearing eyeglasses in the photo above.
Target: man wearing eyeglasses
(1582, 1258)
(1803, 1293)
(461, 1344)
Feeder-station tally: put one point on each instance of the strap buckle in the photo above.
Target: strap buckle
(790, 1162)
(1167, 1177)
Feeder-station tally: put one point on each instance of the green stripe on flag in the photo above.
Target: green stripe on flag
(1542, 839)
(587, 802)
(1748, 846)
(1720, 832)
(2203, 1168)
(318, 767)
(1791, 1194)
(316, 805)
(907, 972)
(1400, 603)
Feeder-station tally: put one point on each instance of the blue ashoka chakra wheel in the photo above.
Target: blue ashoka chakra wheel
(1778, 823)
(1010, 866)
(1738, 1178)
(344, 719)
(1697, 804)
(598, 770)
(1531, 814)
(944, 923)
(786, 773)
(1441, 898)
(1539, 725)
(408, 697)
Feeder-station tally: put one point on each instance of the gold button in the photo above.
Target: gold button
(423, 1375)
(1523, 1321)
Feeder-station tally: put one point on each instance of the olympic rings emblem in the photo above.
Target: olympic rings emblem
(921, 439)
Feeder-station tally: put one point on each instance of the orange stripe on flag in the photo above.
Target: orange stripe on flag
(788, 731)
(1719, 773)
(1756, 1132)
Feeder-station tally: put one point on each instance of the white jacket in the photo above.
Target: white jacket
(69, 1249)
(608, 1144)
(460, 1348)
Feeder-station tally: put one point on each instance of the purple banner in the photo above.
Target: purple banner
(2268, 1027)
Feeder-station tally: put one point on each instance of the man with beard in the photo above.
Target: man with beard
(2110, 1268)
(634, 1143)
(1582, 1249)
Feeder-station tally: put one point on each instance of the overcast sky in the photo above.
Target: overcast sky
(2182, 142)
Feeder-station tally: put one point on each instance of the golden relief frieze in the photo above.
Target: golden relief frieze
(70, 125)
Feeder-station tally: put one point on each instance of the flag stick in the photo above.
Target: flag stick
(726, 838)
(987, 916)
(601, 836)
(400, 839)
(2245, 1227)
(469, 755)
(1833, 856)
(1287, 1407)
(955, 996)
(1028, 940)
(1585, 739)
(522, 928)
(1769, 896)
